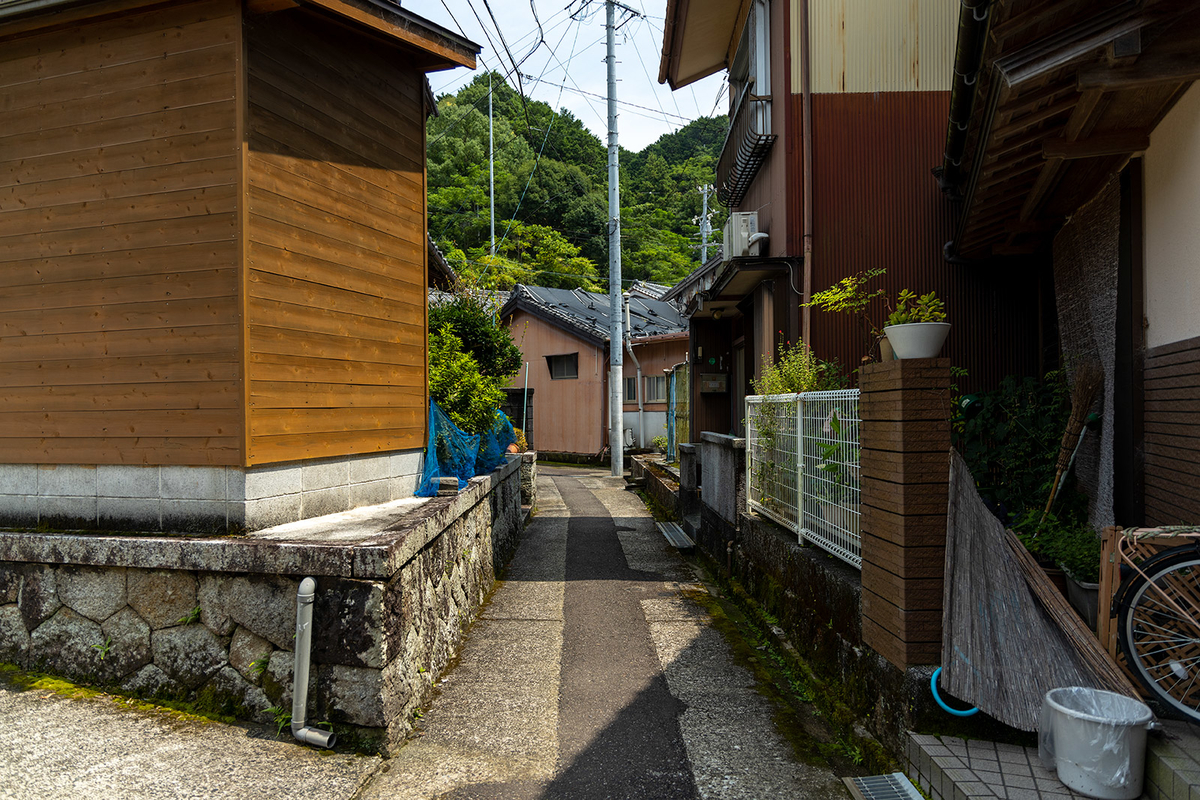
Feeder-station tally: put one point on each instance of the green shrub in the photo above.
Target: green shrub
(1010, 438)
(850, 296)
(474, 318)
(458, 385)
(798, 370)
(1065, 538)
(926, 308)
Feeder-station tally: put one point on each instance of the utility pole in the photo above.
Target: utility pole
(491, 165)
(616, 386)
(705, 225)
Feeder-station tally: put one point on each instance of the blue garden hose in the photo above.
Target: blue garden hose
(938, 698)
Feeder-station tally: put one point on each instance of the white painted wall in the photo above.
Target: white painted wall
(656, 425)
(1172, 224)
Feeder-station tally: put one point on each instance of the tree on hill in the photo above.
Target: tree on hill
(551, 193)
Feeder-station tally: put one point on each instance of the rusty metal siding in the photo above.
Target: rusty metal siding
(770, 193)
(875, 204)
(879, 45)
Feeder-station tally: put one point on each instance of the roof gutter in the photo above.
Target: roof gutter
(973, 20)
(1011, 71)
(668, 49)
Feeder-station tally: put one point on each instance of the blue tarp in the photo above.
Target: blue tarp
(493, 444)
(449, 451)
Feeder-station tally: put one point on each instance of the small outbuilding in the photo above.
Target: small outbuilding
(213, 259)
(563, 334)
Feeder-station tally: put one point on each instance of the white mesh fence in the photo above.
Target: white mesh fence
(802, 466)
(773, 457)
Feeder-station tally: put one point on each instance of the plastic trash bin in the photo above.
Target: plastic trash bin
(1096, 740)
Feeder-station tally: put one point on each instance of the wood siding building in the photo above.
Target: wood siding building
(563, 335)
(212, 230)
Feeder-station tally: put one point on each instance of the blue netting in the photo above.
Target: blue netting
(451, 452)
(448, 452)
(493, 444)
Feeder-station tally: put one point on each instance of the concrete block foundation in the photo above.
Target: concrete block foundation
(200, 499)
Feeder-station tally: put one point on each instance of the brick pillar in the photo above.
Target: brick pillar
(905, 439)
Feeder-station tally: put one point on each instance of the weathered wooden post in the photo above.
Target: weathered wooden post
(905, 441)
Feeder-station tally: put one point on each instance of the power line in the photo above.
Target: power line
(602, 97)
(505, 78)
(546, 138)
(516, 64)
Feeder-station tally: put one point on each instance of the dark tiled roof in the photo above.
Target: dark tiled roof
(654, 291)
(587, 313)
(441, 274)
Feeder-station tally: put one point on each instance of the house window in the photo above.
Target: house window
(631, 390)
(656, 389)
(563, 367)
(751, 67)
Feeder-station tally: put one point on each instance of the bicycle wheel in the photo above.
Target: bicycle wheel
(1161, 647)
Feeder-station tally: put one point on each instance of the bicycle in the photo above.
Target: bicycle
(1158, 616)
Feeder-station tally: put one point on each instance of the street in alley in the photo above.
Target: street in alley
(591, 673)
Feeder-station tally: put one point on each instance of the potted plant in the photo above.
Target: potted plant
(850, 296)
(916, 328)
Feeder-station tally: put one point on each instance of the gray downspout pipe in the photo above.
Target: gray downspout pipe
(304, 615)
(640, 391)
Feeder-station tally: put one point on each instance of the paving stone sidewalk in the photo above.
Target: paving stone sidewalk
(592, 675)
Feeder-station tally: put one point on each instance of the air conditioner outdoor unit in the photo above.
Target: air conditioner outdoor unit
(740, 226)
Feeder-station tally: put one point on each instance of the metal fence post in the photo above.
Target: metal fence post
(800, 500)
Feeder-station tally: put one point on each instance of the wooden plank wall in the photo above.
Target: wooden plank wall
(119, 334)
(1172, 431)
(336, 243)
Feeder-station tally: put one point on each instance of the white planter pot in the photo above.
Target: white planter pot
(917, 339)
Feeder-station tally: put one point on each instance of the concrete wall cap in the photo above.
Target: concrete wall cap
(724, 439)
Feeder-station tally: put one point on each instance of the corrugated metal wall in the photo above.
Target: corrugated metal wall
(875, 204)
(879, 45)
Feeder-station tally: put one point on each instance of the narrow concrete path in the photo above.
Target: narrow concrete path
(62, 749)
(592, 675)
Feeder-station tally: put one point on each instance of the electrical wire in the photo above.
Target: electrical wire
(660, 111)
(546, 138)
(516, 64)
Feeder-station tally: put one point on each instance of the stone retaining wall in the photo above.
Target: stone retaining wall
(663, 488)
(150, 616)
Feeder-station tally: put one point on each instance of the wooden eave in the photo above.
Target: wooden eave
(428, 46)
(434, 47)
(699, 39)
(1068, 92)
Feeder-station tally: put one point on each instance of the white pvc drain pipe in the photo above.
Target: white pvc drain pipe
(304, 614)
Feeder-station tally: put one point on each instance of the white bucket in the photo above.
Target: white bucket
(1096, 740)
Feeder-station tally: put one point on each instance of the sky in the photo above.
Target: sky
(566, 60)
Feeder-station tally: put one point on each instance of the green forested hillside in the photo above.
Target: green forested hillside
(551, 222)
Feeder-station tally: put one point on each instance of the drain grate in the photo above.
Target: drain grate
(896, 786)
